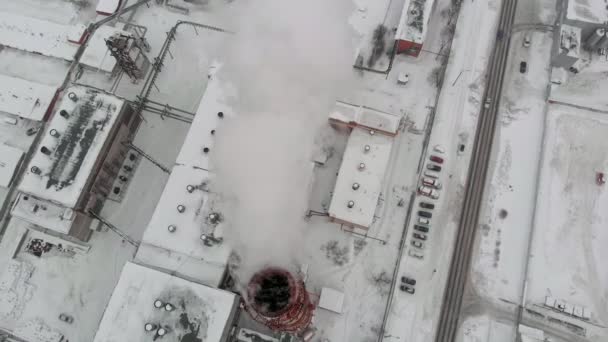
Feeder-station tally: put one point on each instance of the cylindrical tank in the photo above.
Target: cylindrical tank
(603, 43)
(279, 300)
(593, 40)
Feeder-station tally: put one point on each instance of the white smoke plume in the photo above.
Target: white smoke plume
(290, 61)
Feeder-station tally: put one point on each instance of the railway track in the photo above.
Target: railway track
(476, 179)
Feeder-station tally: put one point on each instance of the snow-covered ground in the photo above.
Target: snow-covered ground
(569, 241)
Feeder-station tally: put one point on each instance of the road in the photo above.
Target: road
(476, 179)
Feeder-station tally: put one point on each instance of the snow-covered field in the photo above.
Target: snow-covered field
(568, 250)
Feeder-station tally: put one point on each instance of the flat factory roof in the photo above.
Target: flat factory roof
(187, 187)
(53, 40)
(361, 177)
(199, 312)
(10, 158)
(43, 213)
(60, 173)
(570, 40)
(590, 11)
(414, 20)
(107, 7)
(353, 115)
(29, 100)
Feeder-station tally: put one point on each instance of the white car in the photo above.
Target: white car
(415, 254)
(432, 182)
(431, 174)
(439, 149)
(426, 191)
(423, 220)
(527, 41)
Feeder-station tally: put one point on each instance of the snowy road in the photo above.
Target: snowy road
(457, 278)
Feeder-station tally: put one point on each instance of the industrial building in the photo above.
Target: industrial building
(76, 162)
(588, 15)
(569, 48)
(184, 233)
(147, 305)
(413, 26)
(364, 164)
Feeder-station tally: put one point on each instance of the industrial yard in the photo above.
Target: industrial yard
(224, 171)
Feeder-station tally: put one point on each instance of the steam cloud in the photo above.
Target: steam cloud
(290, 60)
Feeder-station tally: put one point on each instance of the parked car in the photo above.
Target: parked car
(431, 182)
(439, 149)
(408, 281)
(436, 159)
(421, 228)
(426, 214)
(66, 318)
(527, 40)
(417, 244)
(431, 174)
(419, 236)
(426, 191)
(407, 289)
(415, 254)
(433, 167)
(523, 67)
(427, 205)
(423, 220)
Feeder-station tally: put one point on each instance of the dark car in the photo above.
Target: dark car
(436, 159)
(523, 67)
(421, 228)
(427, 205)
(433, 167)
(426, 214)
(407, 289)
(408, 281)
(419, 236)
(66, 318)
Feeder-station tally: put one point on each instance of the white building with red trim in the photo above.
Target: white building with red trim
(413, 26)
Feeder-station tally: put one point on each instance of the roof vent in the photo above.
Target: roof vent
(350, 204)
(150, 327)
(181, 208)
(35, 170)
(158, 303)
(355, 186)
(190, 188)
(72, 96)
(161, 332)
(372, 132)
(220, 114)
(206, 150)
(169, 307)
(212, 132)
(171, 228)
(361, 166)
(64, 113)
(214, 218)
(367, 148)
(54, 133)
(45, 150)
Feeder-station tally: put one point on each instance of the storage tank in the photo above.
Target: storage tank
(593, 40)
(278, 299)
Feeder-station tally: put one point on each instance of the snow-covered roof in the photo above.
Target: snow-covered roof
(23, 98)
(361, 177)
(107, 7)
(331, 300)
(590, 11)
(10, 158)
(570, 40)
(199, 311)
(72, 143)
(187, 186)
(53, 40)
(353, 115)
(414, 20)
(43, 213)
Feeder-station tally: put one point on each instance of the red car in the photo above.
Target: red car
(437, 160)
